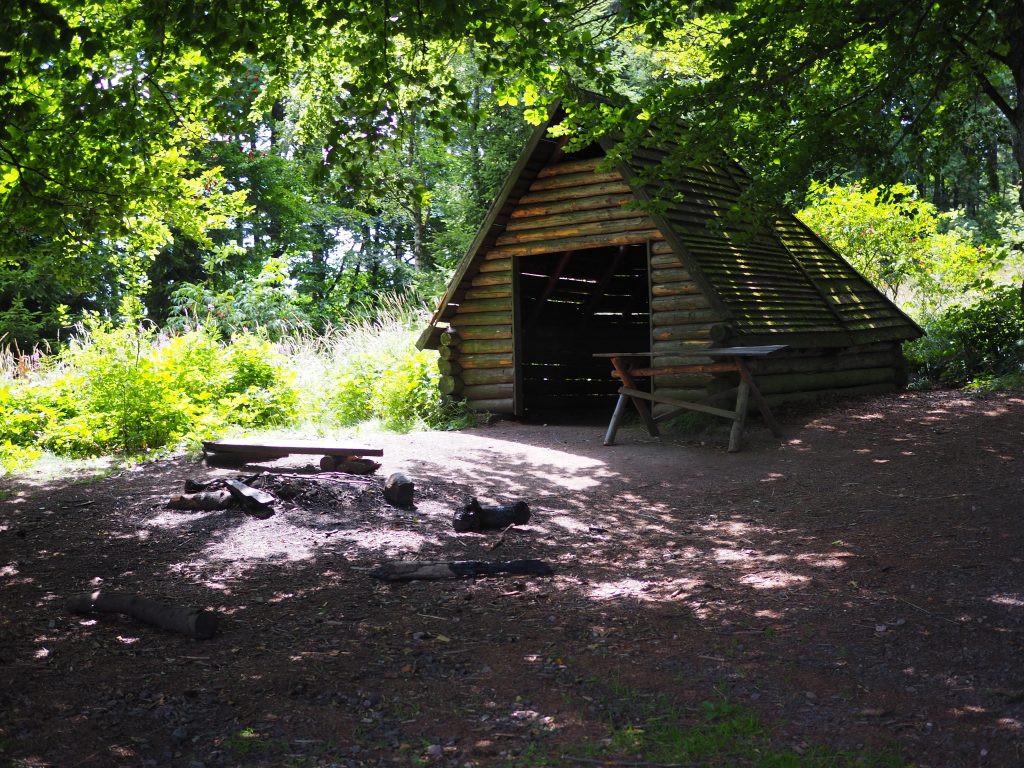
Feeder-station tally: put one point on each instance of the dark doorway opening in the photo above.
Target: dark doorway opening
(573, 305)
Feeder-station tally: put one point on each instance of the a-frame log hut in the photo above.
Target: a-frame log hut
(576, 259)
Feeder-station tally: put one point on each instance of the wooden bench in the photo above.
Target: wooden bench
(628, 367)
(255, 450)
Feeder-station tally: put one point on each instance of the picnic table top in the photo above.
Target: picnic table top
(285, 447)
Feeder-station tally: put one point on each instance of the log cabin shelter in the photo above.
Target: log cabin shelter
(578, 257)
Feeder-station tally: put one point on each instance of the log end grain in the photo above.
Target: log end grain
(399, 490)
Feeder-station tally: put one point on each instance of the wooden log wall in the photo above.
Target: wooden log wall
(681, 323)
(564, 244)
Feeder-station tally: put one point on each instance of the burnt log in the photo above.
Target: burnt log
(476, 517)
(191, 622)
(427, 570)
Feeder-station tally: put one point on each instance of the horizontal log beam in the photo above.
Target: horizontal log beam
(568, 244)
(575, 180)
(773, 384)
(574, 218)
(570, 166)
(674, 289)
(489, 292)
(488, 391)
(474, 361)
(504, 405)
(485, 347)
(495, 319)
(501, 262)
(474, 376)
(502, 304)
(674, 303)
(589, 229)
(492, 279)
(690, 332)
(476, 333)
(683, 317)
(673, 275)
(566, 206)
(575, 193)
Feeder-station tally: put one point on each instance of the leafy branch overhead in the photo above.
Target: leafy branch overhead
(183, 149)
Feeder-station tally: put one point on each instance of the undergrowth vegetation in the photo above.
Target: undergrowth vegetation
(132, 389)
(977, 343)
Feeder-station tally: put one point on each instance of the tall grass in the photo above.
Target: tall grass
(132, 389)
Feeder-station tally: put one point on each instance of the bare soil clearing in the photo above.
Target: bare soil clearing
(858, 583)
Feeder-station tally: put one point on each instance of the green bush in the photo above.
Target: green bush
(978, 342)
(131, 388)
(374, 371)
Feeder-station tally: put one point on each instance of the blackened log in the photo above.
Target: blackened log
(191, 622)
(426, 570)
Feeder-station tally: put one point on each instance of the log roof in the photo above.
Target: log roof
(777, 284)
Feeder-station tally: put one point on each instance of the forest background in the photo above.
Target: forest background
(230, 215)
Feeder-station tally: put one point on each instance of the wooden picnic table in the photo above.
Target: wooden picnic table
(628, 367)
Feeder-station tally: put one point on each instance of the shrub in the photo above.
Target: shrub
(374, 371)
(975, 342)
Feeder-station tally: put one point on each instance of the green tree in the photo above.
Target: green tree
(805, 89)
(901, 242)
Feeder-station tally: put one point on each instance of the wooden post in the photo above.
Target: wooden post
(622, 367)
(617, 414)
(742, 400)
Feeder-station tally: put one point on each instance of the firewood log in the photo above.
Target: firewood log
(413, 570)
(191, 622)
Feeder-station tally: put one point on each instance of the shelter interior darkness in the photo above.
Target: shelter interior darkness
(573, 305)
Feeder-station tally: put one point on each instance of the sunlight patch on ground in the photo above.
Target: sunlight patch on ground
(394, 543)
(1012, 600)
(616, 590)
(171, 520)
(285, 542)
(823, 560)
(723, 555)
(868, 417)
(773, 579)
(567, 523)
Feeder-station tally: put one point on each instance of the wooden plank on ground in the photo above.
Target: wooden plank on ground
(274, 447)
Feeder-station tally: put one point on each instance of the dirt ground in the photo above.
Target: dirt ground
(857, 584)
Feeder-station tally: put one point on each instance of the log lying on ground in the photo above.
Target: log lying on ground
(475, 517)
(191, 622)
(428, 570)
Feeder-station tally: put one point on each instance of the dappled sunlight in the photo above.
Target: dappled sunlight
(831, 560)
(616, 590)
(868, 417)
(773, 580)
(1010, 601)
(170, 520)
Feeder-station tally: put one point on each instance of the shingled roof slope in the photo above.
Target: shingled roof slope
(778, 282)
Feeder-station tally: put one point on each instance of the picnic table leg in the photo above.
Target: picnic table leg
(617, 414)
(627, 382)
(742, 400)
(762, 404)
